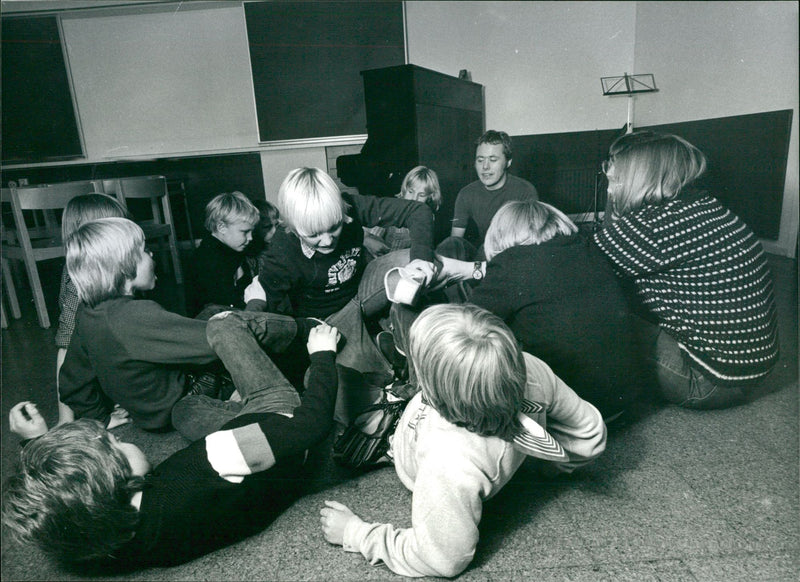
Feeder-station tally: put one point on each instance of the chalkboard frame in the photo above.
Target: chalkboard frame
(39, 119)
(306, 59)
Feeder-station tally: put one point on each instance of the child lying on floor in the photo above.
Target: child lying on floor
(86, 498)
(462, 438)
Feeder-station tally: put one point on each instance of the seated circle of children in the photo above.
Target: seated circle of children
(483, 407)
(220, 270)
(78, 210)
(316, 266)
(699, 271)
(420, 184)
(88, 499)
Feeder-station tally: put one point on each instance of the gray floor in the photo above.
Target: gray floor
(678, 495)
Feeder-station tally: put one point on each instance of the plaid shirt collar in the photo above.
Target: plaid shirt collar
(308, 251)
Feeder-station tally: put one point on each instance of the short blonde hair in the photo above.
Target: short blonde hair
(429, 181)
(102, 256)
(526, 222)
(651, 168)
(309, 202)
(470, 368)
(230, 207)
(88, 207)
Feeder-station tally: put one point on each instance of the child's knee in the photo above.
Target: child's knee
(222, 325)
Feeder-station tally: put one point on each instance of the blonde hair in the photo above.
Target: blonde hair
(88, 207)
(309, 202)
(102, 256)
(230, 207)
(651, 168)
(520, 223)
(470, 368)
(429, 181)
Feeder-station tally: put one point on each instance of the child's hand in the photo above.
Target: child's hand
(423, 271)
(334, 518)
(119, 416)
(254, 291)
(24, 419)
(322, 338)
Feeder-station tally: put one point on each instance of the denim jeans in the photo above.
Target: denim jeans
(682, 382)
(359, 352)
(240, 339)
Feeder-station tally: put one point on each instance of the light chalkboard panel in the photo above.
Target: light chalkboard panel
(38, 114)
(306, 59)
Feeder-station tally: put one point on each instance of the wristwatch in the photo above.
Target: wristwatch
(477, 273)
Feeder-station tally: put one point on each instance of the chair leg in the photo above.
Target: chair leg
(176, 259)
(11, 293)
(38, 294)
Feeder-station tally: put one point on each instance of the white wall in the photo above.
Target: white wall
(540, 62)
(276, 164)
(718, 59)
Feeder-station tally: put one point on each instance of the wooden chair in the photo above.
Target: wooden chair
(38, 243)
(157, 224)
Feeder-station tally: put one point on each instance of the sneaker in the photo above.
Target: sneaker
(395, 357)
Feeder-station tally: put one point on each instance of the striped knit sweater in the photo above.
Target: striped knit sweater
(703, 273)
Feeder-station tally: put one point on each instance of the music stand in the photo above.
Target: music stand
(628, 85)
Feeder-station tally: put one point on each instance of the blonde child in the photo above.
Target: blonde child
(220, 270)
(79, 210)
(124, 350)
(462, 438)
(420, 184)
(316, 265)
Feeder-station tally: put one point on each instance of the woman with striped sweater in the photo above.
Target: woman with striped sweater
(699, 270)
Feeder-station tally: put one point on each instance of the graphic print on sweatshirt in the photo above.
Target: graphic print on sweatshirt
(343, 269)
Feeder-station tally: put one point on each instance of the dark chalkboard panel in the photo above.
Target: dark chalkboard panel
(306, 59)
(747, 157)
(38, 114)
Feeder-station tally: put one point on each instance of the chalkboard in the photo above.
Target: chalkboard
(306, 59)
(38, 113)
(747, 157)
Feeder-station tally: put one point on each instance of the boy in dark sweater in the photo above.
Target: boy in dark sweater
(221, 271)
(103, 506)
(316, 266)
(128, 351)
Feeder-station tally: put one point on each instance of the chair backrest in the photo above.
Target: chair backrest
(42, 201)
(47, 196)
(153, 188)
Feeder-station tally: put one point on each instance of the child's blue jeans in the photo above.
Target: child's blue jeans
(240, 339)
